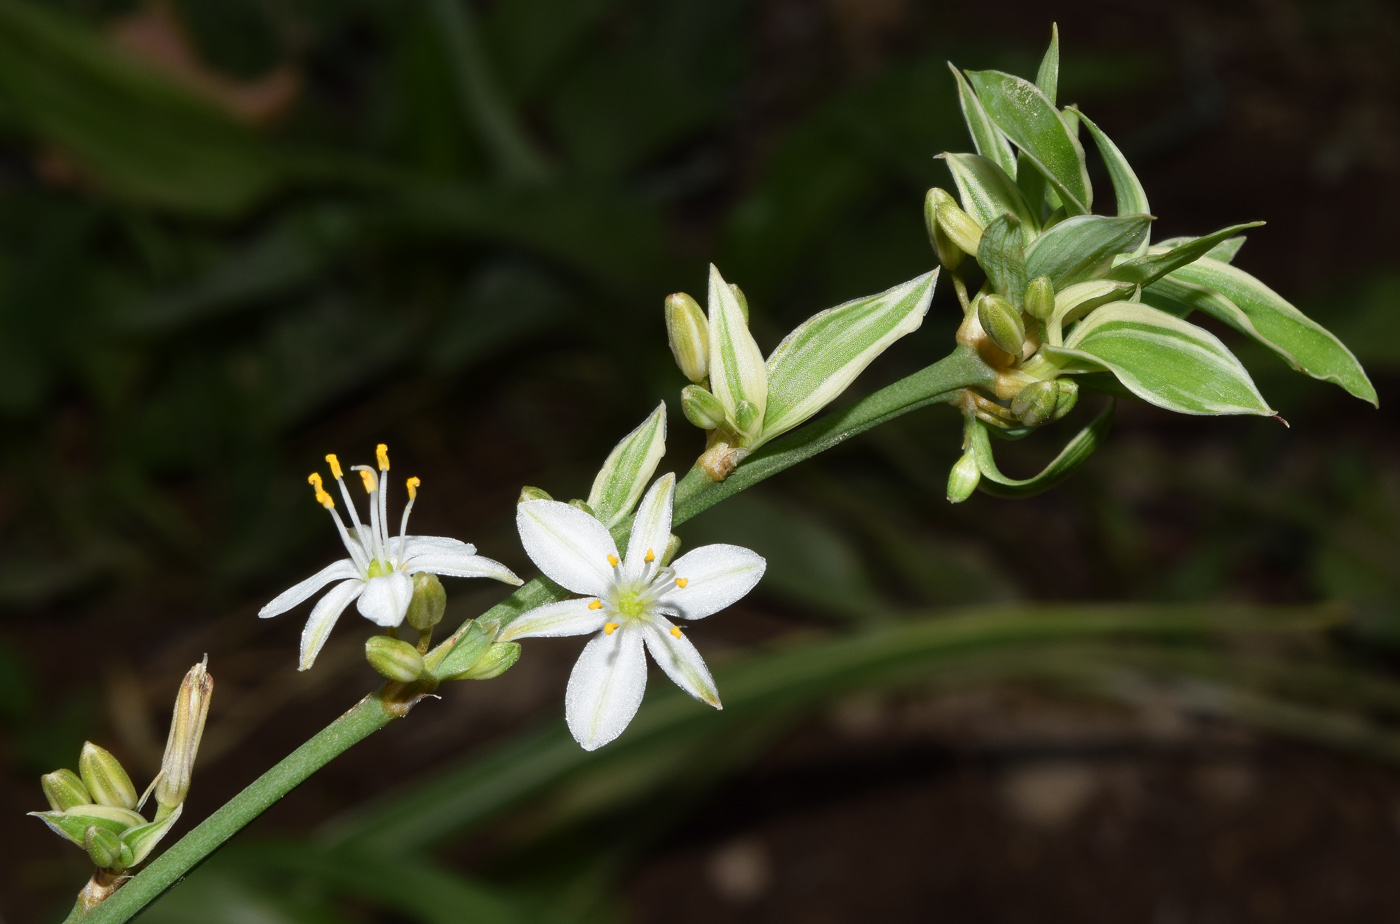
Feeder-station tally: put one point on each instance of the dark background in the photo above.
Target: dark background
(296, 228)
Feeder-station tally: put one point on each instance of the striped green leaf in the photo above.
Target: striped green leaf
(988, 192)
(628, 469)
(1148, 268)
(986, 137)
(1082, 248)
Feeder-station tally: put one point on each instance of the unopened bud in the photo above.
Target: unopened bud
(701, 407)
(428, 603)
(105, 779)
(742, 299)
(962, 229)
(1002, 323)
(103, 847)
(1035, 404)
(688, 332)
(747, 418)
(1069, 397)
(963, 479)
(582, 504)
(64, 789)
(1040, 298)
(498, 659)
(950, 256)
(673, 545)
(394, 658)
(182, 744)
(529, 493)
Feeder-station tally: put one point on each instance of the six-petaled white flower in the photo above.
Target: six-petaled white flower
(379, 572)
(628, 601)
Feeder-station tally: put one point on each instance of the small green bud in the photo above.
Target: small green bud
(182, 744)
(582, 504)
(428, 603)
(498, 659)
(742, 300)
(701, 407)
(673, 545)
(962, 229)
(1002, 322)
(1069, 397)
(1035, 404)
(394, 658)
(64, 789)
(1040, 298)
(747, 418)
(529, 493)
(688, 332)
(105, 779)
(103, 847)
(950, 256)
(963, 479)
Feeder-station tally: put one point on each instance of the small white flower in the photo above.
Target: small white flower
(627, 605)
(379, 572)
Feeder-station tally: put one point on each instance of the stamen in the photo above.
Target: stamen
(676, 631)
(413, 484)
(596, 605)
(376, 522)
(344, 491)
(651, 556)
(322, 497)
(368, 478)
(381, 452)
(334, 463)
(610, 627)
(613, 560)
(681, 582)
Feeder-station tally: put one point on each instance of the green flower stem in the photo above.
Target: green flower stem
(695, 493)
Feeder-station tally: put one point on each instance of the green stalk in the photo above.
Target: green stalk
(695, 493)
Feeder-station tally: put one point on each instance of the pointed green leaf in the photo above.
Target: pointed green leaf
(1163, 360)
(1158, 262)
(736, 365)
(1224, 251)
(628, 469)
(142, 839)
(1048, 76)
(1082, 248)
(986, 137)
(1031, 182)
(1002, 256)
(1023, 112)
(817, 361)
(72, 823)
(468, 649)
(1076, 452)
(1249, 306)
(1127, 189)
(988, 192)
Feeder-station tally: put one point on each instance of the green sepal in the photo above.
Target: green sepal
(628, 469)
(468, 649)
(498, 659)
(1158, 262)
(73, 823)
(142, 840)
(1076, 452)
(1082, 248)
(1002, 256)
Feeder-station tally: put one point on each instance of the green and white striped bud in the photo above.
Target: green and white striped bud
(1040, 298)
(529, 493)
(748, 418)
(498, 659)
(963, 479)
(1069, 397)
(962, 229)
(394, 658)
(742, 299)
(1002, 323)
(688, 332)
(64, 789)
(428, 604)
(582, 504)
(104, 778)
(103, 847)
(701, 408)
(950, 256)
(1035, 404)
(182, 744)
(673, 545)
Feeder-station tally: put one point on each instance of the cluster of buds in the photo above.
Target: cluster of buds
(97, 808)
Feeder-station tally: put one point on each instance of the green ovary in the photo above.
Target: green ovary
(379, 568)
(629, 604)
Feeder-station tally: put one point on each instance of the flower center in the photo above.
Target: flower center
(630, 604)
(378, 568)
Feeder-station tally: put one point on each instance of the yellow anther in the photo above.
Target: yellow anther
(368, 478)
(676, 631)
(381, 452)
(322, 497)
(334, 463)
(610, 627)
(413, 484)
(612, 560)
(596, 605)
(681, 582)
(651, 556)
(314, 479)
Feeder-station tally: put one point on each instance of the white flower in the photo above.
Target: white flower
(627, 605)
(379, 572)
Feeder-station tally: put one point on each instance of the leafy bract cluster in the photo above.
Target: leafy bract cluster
(1068, 292)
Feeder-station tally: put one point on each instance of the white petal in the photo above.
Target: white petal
(415, 545)
(555, 620)
(715, 576)
(568, 545)
(651, 530)
(323, 617)
(453, 563)
(606, 687)
(385, 600)
(338, 571)
(681, 662)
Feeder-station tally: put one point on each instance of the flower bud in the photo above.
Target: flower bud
(688, 332)
(182, 744)
(950, 256)
(1002, 323)
(105, 779)
(963, 479)
(1040, 298)
(428, 603)
(103, 847)
(64, 789)
(1035, 404)
(701, 407)
(498, 659)
(747, 418)
(962, 229)
(582, 504)
(394, 658)
(673, 545)
(529, 493)
(1069, 397)
(742, 299)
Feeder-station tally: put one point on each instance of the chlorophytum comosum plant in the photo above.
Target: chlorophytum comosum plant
(1065, 300)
